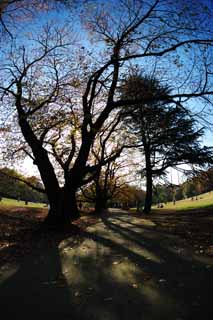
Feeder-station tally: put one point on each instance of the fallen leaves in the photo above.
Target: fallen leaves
(194, 227)
(16, 232)
(21, 232)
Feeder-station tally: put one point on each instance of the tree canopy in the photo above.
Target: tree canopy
(167, 133)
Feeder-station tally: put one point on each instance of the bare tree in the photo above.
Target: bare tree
(62, 118)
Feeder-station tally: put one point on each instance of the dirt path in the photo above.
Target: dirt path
(122, 268)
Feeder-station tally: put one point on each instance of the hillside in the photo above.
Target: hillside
(203, 200)
(13, 187)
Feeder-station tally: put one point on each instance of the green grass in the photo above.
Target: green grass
(204, 200)
(14, 203)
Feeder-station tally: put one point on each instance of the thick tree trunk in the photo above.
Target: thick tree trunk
(63, 210)
(62, 201)
(100, 204)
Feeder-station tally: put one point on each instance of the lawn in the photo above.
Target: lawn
(15, 203)
(204, 200)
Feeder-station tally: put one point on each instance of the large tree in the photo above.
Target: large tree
(61, 92)
(167, 133)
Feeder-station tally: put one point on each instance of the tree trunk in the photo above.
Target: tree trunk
(62, 201)
(100, 204)
(63, 209)
(148, 198)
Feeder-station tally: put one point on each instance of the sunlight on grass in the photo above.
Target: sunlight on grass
(204, 200)
(15, 203)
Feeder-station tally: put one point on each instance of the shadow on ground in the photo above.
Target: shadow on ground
(121, 269)
(37, 288)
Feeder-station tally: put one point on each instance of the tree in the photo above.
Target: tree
(110, 147)
(198, 182)
(107, 184)
(206, 180)
(16, 186)
(159, 194)
(128, 196)
(78, 86)
(168, 133)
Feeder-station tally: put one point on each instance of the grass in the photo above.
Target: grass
(205, 200)
(6, 202)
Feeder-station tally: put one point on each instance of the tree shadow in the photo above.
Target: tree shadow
(37, 287)
(177, 273)
(114, 272)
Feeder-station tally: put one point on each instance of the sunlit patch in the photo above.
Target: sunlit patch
(123, 271)
(157, 298)
(130, 275)
(4, 245)
(152, 294)
(147, 254)
(205, 260)
(72, 259)
(6, 272)
(146, 222)
(139, 221)
(70, 267)
(135, 249)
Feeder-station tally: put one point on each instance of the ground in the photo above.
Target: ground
(119, 266)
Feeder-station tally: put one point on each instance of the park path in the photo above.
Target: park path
(121, 268)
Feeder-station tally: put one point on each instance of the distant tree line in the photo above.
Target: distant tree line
(123, 196)
(129, 196)
(11, 186)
